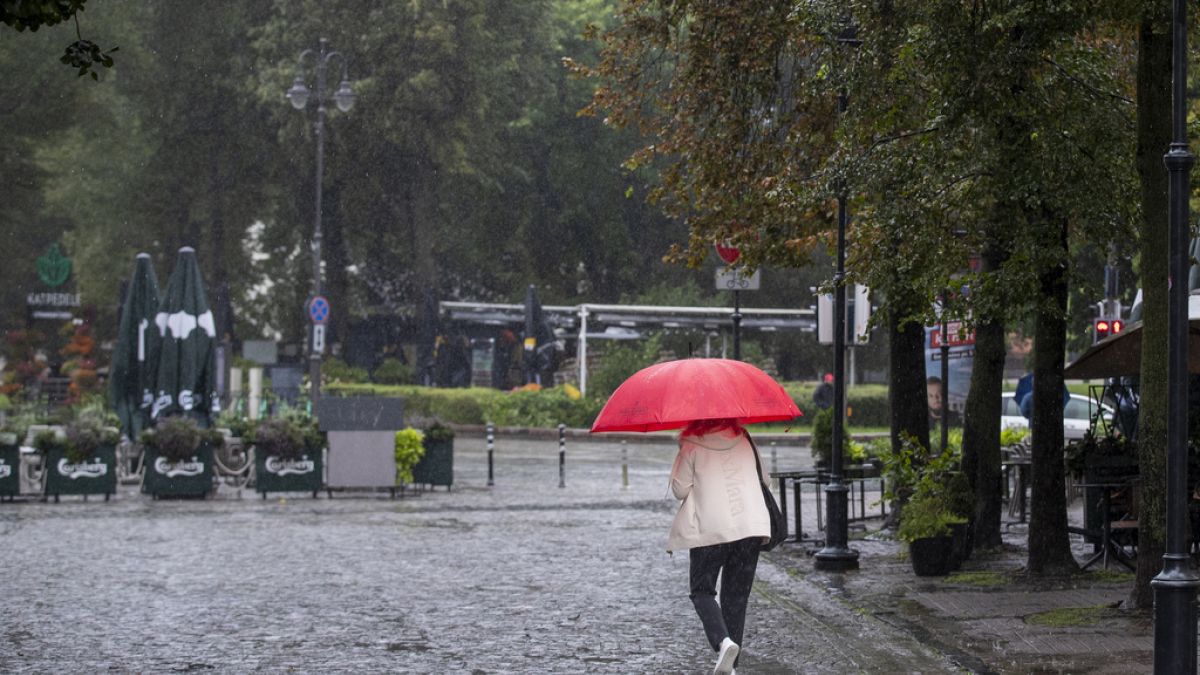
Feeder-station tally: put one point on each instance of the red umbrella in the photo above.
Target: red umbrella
(669, 395)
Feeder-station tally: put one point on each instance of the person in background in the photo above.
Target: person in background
(723, 521)
(823, 395)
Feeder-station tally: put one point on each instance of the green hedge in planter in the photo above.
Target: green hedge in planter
(436, 466)
(288, 455)
(79, 460)
(178, 456)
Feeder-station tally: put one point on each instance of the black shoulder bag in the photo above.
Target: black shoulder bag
(778, 524)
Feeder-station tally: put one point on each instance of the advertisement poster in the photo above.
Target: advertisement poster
(961, 357)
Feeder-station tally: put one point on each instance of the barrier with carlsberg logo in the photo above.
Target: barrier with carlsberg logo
(192, 477)
(95, 475)
(10, 464)
(277, 474)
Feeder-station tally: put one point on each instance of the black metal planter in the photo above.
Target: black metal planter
(275, 474)
(190, 478)
(96, 475)
(10, 465)
(437, 465)
(932, 556)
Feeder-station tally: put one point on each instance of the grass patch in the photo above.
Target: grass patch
(978, 578)
(1112, 575)
(1070, 616)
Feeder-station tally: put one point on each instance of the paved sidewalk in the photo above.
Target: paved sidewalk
(990, 618)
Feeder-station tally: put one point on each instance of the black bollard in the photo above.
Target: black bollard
(491, 439)
(562, 455)
(624, 466)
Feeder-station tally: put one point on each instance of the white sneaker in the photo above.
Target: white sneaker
(725, 659)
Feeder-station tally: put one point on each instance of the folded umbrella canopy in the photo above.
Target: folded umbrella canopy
(131, 380)
(671, 394)
(186, 363)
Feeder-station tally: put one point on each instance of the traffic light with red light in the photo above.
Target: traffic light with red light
(1106, 327)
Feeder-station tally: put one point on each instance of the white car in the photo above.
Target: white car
(1077, 415)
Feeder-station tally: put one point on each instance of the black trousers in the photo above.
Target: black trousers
(736, 563)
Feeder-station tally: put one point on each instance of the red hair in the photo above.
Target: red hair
(702, 427)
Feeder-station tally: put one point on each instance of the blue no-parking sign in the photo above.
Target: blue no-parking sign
(318, 309)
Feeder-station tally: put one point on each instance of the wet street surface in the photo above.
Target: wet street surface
(521, 577)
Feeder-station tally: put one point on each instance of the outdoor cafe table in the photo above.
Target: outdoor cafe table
(1108, 547)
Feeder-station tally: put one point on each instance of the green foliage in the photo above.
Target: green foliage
(822, 437)
(409, 451)
(392, 371)
(437, 432)
(85, 434)
(5, 403)
(926, 516)
(178, 438)
(545, 408)
(335, 370)
(238, 425)
(621, 361)
(456, 405)
(279, 437)
(1013, 436)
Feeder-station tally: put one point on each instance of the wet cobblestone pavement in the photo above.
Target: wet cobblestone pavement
(521, 577)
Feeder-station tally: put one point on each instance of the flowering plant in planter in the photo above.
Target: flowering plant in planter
(79, 439)
(280, 437)
(176, 439)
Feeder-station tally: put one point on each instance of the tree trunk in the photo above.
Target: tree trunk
(1049, 548)
(1153, 137)
(981, 426)
(906, 393)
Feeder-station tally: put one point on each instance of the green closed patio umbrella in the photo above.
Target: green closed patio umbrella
(186, 362)
(131, 379)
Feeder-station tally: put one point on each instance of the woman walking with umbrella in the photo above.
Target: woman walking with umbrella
(723, 520)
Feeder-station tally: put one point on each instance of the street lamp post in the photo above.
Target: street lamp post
(837, 555)
(1175, 586)
(344, 98)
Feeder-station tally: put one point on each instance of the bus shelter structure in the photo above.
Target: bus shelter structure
(588, 321)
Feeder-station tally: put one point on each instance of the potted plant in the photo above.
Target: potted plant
(178, 456)
(436, 466)
(822, 439)
(408, 452)
(926, 527)
(81, 459)
(287, 455)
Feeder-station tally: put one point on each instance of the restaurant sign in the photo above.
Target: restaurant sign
(53, 301)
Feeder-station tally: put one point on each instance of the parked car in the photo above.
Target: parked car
(1077, 415)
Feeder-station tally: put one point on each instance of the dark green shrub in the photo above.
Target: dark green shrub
(178, 438)
(337, 370)
(279, 437)
(392, 371)
(620, 361)
(822, 437)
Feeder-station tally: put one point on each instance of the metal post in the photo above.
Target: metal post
(491, 440)
(582, 353)
(562, 455)
(737, 325)
(624, 466)
(945, 384)
(837, 555)
(774, 462)
(314, 362)
(1175, 586)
